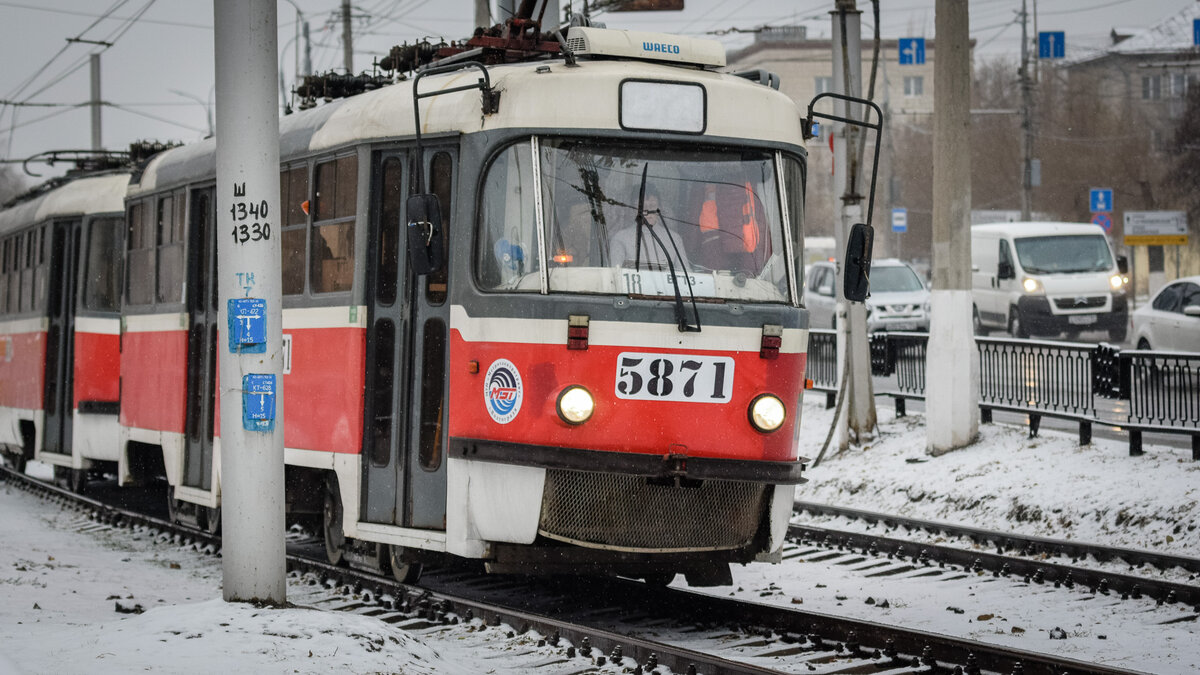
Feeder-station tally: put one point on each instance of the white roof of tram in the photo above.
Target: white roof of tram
(535, 95)
(81, 196)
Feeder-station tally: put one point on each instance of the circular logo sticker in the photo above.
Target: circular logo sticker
(502, 391)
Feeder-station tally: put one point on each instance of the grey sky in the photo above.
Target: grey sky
(160, 67)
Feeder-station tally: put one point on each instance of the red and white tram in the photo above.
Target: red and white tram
(60, 273)
(556, 328)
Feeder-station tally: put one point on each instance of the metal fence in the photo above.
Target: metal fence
(1042, 378)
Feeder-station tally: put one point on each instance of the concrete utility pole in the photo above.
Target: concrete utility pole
(248, 255)
(347, 39)
(952, 369)
(95, 104)
(483, 13)
(1026, 123)
(858, 412)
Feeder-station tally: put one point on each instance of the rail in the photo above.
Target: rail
(1042, 378)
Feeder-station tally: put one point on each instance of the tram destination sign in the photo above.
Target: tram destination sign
(1156, 228)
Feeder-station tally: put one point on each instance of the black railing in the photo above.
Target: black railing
(1042, 378)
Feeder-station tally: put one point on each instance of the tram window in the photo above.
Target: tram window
(4, 275)
(331, 264)
(333, 257)
(27, 271)
(337, 183)
(432, 387)
(389, 231)
(441, 183)
(139, 281)
(293, 192)
(170, 250)
(41, 276)
(382, 424)
(793, 178)
(102, 279)
(506, 246)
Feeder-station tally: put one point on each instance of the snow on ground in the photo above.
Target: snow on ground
(63, 578)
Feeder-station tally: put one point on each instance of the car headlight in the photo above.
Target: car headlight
(1116, 282)
(767, 413)
(1031, 285)
(576, 405)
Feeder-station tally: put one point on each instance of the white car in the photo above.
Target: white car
(899, 299)
(1172, 319)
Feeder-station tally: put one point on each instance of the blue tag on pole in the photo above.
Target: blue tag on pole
(258, 402)
(247, 325)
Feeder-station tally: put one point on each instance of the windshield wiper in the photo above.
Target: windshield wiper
(680, 315)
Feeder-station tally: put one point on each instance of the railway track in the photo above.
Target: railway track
(614, 625)
(1034, 558)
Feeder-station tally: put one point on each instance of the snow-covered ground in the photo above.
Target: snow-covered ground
(65, 580)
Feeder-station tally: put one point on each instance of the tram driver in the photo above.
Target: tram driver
(622, 249)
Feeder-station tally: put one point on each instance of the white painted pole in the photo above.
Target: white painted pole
(248, 268)
(858, 411)
(97, 143)
(952, 368)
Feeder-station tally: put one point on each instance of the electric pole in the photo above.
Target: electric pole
(249, 286)
(952, 366)
(95, 104)
(858, 415)
(347, 39)
(1026, 123)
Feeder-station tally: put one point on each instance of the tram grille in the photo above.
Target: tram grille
(627, 513)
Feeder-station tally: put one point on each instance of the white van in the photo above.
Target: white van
(1047, 278)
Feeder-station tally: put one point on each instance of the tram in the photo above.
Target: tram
(541, 308)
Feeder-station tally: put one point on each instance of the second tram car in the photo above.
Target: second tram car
(548, 318)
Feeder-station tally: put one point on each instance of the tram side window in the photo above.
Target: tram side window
(4, 275)
(793, 178)
(101, 286)
(41, 275)
(293, 192)
(390, 248)
(170, 248)
(139, 280)
(506, 254)
(27, 256)
(332, 261)
(441, 183)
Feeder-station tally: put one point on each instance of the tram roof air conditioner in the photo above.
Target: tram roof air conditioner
(631, 44)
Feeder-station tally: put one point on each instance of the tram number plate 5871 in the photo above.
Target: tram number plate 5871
(674, 377)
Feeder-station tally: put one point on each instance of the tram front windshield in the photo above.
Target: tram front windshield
(710, 217)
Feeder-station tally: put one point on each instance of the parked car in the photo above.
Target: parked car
(1171, 320)
(899, 299)
(1046, 279)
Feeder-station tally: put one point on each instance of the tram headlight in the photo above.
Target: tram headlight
(767, 413)
(576, 405)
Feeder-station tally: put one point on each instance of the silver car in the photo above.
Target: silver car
(899, 299)
(1171, 320)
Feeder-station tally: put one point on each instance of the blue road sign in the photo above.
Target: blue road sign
(899, 220)
(1103, 220)
(912, 51)
(1052, 44)
(1101, 200)
(1196, 31)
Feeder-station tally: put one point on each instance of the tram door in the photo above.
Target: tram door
(202, 339)
(58, 397)
(407, 345)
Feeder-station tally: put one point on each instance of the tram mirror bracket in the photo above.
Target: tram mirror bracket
(807, 124)
(489, 98)
(425, 241)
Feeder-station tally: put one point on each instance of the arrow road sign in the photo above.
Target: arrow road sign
(912, 51)
(1052, 45)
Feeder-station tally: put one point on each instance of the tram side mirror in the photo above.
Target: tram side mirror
(1122, 264)
(858, 262)
(425, 240)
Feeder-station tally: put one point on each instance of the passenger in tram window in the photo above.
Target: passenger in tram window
(573, 242)
(731, 224)
(622, 247)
